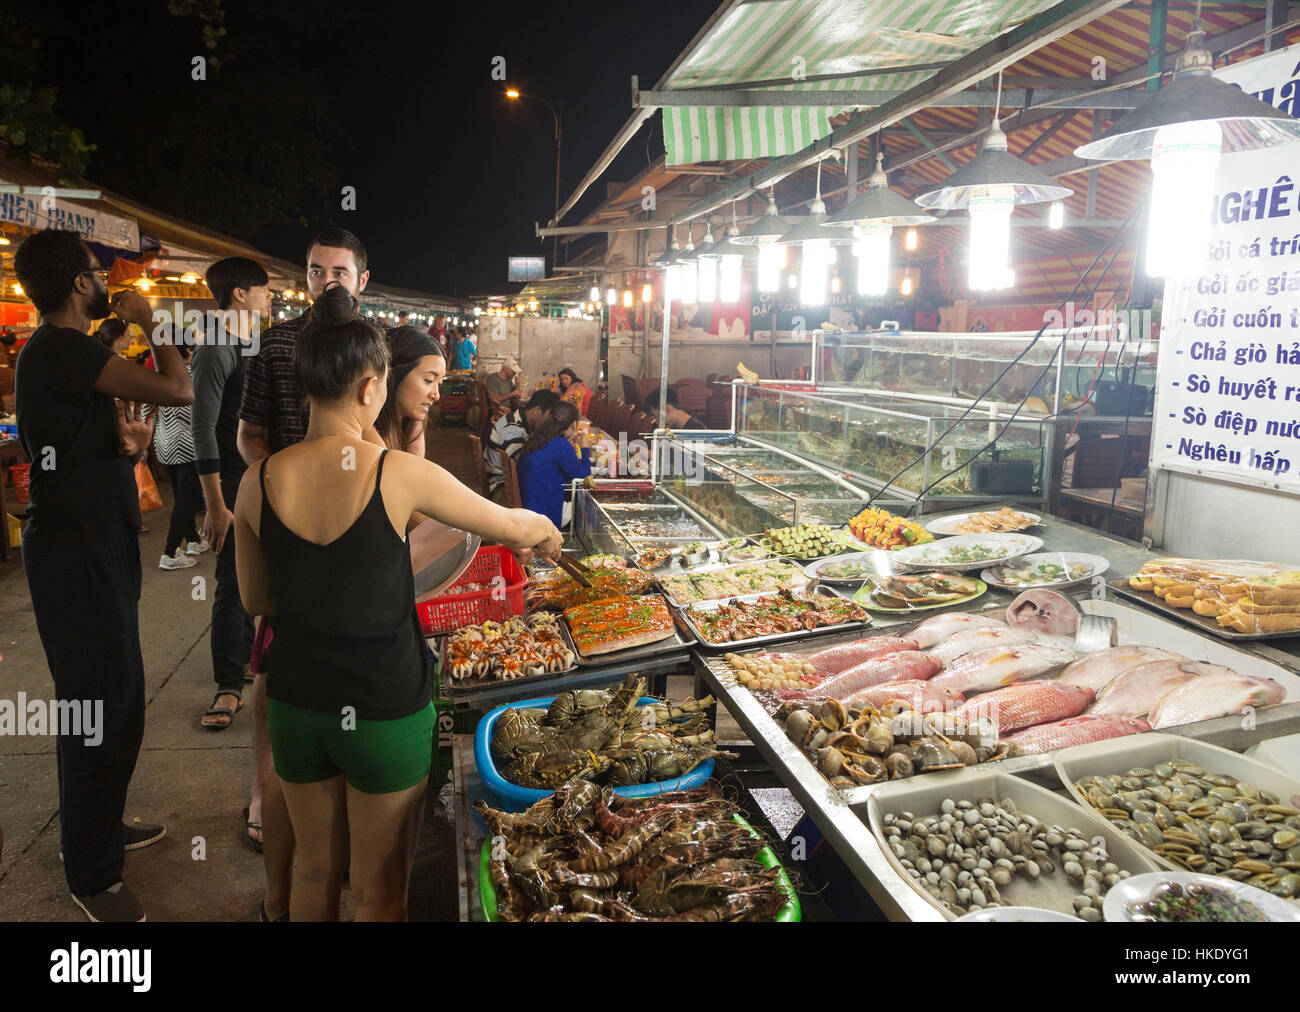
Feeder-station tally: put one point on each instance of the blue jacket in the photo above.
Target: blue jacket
(544, 473)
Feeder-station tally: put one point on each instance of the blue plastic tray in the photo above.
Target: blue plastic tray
(514, 798)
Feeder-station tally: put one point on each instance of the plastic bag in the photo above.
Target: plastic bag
(149, 498)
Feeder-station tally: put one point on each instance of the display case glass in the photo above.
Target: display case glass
(931, 449)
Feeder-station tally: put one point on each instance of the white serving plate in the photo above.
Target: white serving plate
(945, 526)
(1118, 755)
(1095, 563)
(1014, 546)
(877, 560)
(921, 795)
(1138, 888)
(1031, 914)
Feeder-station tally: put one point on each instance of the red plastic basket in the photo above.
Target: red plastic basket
(452, 610)
(22, 474)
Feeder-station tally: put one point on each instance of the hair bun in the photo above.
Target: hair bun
(334, 307)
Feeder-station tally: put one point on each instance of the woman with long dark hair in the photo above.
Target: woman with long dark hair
(350, 682)
(551, 459)
(575, 391)
(417, 364)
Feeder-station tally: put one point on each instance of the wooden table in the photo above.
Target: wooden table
(10, 450)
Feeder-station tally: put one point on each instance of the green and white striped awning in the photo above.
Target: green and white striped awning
(784, 43)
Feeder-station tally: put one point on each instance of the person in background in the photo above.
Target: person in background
(416, 368)
(273, 416)
(80, 551)
(503, 385)
(355, 788)
(174, 442)
(403, 319)
(575, 391)
(438, 330)
(509, 433)
(462, 355)
(550, 459)
(113, 335)
(675, 417)
(240, 288)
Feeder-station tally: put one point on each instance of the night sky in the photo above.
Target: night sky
(449, 174)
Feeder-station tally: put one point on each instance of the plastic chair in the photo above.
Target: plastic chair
(480, 463)
(643, 387)
(693, 398)
(629, 388)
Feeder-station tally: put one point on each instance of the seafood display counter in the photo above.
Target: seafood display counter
(851, 819)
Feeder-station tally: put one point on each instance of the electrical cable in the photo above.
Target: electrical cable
(998, 379)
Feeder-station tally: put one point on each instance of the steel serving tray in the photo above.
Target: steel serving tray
(458, 690)
(1188, 617)
(733, 645)
(679, 640)
(795, 570)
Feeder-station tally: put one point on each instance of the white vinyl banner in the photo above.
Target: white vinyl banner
(1228, 381)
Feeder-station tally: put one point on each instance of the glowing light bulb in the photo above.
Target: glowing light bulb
(906, 287)
(611, 296)
(627, 298)
(18, 289)
(794, 280)
(708, 272)
(1056, 214)
(872, 251)
(595, 294)
(816, 264)
(990, 237)
(909, 240)
(1183, 160)
(729, 287)
(647, 293)
(771, 259)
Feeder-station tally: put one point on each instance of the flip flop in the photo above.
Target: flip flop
(216, 711)
(255, 844)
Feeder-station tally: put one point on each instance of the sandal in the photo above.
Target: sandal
(254, 843)
(222, 711)
(284, 917)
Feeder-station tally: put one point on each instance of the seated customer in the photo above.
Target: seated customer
(574, 390)
(509, 433)
(550, 460)
(675, 417)
(502, 386)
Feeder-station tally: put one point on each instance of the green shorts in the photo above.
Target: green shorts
(377, 757)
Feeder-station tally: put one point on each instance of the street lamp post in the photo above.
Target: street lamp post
(514, 93)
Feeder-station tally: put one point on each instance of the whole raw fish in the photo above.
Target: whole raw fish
(1044, 611)
(833, 660)
(938, 628)
(920, 693)
(1214, 696)
(997, 666)
(1078, 730)
(1026, 704)
(1096, 670)
(1137, 690)
(906, 664)
(969, 640)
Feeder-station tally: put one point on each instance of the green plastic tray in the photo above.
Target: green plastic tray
(791, 913)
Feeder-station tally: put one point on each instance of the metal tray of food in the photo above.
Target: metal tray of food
(714, 569)
(754, 641)
(679, 640)
(1188, 617)
(467, 688)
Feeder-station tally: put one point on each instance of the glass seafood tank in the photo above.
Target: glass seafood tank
(1110, 366)
(791, 489)
(922, 447)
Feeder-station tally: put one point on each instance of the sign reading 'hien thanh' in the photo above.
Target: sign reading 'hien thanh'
(1229, 373)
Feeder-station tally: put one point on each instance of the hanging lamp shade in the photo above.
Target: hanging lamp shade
(687, 255)
(670, 254)
(728, 246)
(879, 205)
(813, 226)
(704, 251)
(1194, 96)
(994, 166)
(767, 229)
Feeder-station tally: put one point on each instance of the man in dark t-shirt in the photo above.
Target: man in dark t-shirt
(80, 550)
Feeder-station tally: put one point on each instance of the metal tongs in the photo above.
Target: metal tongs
(574, 568)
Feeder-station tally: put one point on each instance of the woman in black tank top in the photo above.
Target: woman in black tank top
(320, 545)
